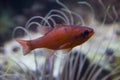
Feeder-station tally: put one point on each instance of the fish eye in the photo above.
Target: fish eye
(85, 33)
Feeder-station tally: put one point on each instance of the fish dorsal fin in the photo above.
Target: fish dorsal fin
(59, 25)
(45, 29)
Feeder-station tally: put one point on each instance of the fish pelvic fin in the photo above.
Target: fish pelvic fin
(25, 46)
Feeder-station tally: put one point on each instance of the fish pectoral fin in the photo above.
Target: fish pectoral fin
(66, 45)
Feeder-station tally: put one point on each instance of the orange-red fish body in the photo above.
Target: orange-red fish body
(60, 37)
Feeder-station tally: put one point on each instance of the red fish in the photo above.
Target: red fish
(60, 37)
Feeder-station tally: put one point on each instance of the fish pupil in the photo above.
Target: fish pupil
(85, 33)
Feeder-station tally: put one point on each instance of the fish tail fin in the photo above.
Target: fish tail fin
(25, 45)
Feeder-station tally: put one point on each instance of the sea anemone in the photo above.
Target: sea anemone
(85, 62)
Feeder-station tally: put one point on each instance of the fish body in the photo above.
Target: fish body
(60, 37)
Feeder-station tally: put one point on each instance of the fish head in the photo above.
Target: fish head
(83, 34)
(87, 32)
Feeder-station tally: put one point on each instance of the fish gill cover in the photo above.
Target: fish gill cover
(96, 59)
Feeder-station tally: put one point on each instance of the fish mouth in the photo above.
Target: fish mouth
(91, 32)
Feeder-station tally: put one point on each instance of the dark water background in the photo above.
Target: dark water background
(106, 39)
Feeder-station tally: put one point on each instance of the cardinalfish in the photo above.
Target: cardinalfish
(60, 37)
